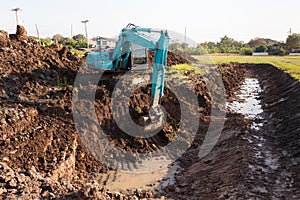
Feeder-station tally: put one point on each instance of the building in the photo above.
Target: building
(105, 43)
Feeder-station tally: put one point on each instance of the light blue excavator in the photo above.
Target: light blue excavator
(125, 57)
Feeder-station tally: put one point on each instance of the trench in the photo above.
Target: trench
(261, 170)
(266, 176)
(247, 163)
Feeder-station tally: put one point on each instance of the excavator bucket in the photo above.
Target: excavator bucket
(155, 121)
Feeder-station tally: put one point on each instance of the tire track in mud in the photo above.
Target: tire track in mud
(269, 175)
(265, 177)
(274, 166)
(257, 155)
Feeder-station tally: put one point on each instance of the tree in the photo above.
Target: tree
(247, 51)
(174, 46)
(261, 48)
(254, 43)
(211, 47)
(58, 38)
(184, 46)
(70, 43)
(259, 42)
(80, 44)
(229, 45)
(79, 37)
(293, 42)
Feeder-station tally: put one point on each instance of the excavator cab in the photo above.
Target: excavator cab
(139, 58)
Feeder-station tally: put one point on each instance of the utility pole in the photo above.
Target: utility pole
(290, 32)
(37, 32)
(71, 31)
(185, 35)
(86, 35)
(16, 11)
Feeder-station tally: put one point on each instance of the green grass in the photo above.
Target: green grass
(290, 64)
(182, 68)
(77, 52)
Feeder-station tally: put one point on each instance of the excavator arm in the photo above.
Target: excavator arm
(160, 48)
(121, 57)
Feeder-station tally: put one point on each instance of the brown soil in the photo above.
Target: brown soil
(265, 168)
(42, 155)
(174, 58)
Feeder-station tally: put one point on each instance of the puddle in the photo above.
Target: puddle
(248, 102)
(156, 180)
(266, 163)
(271, 161)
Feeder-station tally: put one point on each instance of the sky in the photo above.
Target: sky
(205, 20)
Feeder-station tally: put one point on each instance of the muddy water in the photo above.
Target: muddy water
(156, 180)
(248, 103)
(265, 172)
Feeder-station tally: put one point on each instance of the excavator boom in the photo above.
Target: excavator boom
(121, 58)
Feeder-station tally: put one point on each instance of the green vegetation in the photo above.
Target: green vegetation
(226, 45)
(78, 52)
(139, 110)
(186, 67)
(45, 42)
(62, 81)
(229, 45)
(232, 46)
(76, 42)
(290, 64)
(293, 42)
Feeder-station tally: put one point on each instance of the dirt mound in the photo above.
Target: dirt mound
(185, 56)
(41, 154)
(36, 127)
(173, 58)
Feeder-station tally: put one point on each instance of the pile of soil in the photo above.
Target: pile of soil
(186, 56)
(41, 154)
(173, 58)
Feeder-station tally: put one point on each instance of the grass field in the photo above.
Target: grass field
(290, 64)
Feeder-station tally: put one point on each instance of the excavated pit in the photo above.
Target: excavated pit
(42, 155)
(257, 155)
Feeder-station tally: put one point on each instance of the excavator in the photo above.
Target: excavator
(125, 57)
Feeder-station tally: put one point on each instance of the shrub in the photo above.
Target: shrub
(247, 51)
(261, 48)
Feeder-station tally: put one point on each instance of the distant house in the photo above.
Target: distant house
(105, 43)
(92, 43)
(260, 54)
(294, 52)
(276, 46)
